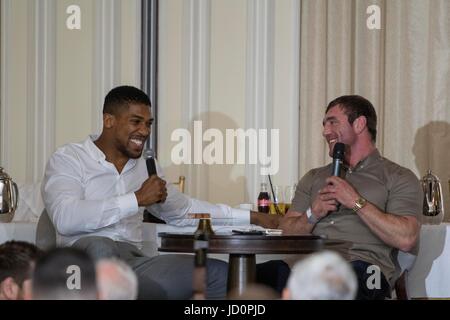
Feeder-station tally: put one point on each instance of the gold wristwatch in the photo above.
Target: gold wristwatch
(361, 202)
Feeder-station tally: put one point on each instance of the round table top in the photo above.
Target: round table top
(251, 244)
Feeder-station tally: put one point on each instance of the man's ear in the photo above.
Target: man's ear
(108, 120)
(9, 289)
(359, 124)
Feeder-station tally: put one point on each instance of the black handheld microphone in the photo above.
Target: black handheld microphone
(338, 159)
(149, 157)
(150, 162)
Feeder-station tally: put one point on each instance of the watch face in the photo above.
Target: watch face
(361, 202)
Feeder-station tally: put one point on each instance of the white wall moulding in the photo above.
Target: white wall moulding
(259, 77)
(41, 87)
(131, 42)
(107, 60)
(286, 87)
(196, 52)
(5, 97)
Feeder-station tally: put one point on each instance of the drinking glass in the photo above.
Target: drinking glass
(290, 194)
(277, 205)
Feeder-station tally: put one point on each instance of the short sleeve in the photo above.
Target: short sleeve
(302, 198)
(405, 194)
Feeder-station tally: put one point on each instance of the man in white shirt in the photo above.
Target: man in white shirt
(95, 193)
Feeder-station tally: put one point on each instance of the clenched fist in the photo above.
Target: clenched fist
(153, 190)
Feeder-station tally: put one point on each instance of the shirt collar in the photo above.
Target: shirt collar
(373, 157)
(92, 149)
(98, 154)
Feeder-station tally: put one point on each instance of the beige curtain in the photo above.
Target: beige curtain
(402, 68)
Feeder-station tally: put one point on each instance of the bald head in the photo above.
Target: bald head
(322, 276)
(116, 280)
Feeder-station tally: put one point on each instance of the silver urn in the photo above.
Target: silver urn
(9, 197)
(433, 203)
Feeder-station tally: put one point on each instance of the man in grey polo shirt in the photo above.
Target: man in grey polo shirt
(374, 206)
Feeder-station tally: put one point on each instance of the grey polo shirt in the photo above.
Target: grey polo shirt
(390, 187)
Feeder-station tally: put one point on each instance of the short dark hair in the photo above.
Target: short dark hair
(16, 260)
(53, 270)
(120, 98)
(355, 106)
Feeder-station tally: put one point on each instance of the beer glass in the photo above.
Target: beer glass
(290, 194)
(277, 204)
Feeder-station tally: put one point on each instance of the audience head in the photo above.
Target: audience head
(322, 276)
(121, 97)
(116, 280)
(64, 274)
(17, 259)
(355, 106)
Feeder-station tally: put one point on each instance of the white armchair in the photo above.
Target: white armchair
(45, 232)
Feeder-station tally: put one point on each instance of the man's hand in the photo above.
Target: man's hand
(153, 190)
(341, 191)
(324, 203)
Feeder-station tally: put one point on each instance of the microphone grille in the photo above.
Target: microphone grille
(148, 153)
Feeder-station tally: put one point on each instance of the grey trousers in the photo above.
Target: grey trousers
(160, 277)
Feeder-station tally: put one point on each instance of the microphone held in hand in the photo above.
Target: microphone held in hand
(151, 167)
(338, 158)
(338, 161)
(150, 162)
(149, 157)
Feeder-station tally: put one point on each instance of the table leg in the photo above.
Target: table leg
(241, 271)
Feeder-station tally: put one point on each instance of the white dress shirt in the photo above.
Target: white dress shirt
(85, 195)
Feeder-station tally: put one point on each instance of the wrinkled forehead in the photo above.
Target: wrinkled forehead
(335, 112)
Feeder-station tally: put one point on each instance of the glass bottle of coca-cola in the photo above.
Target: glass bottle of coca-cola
(263, 199)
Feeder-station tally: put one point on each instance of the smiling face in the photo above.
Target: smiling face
(131, 129)
(336, 128)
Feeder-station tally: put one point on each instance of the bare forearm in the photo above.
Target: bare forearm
(295, 223)
(264, 220)
(400, 232)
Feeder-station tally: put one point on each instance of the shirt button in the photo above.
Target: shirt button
(332, 222)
